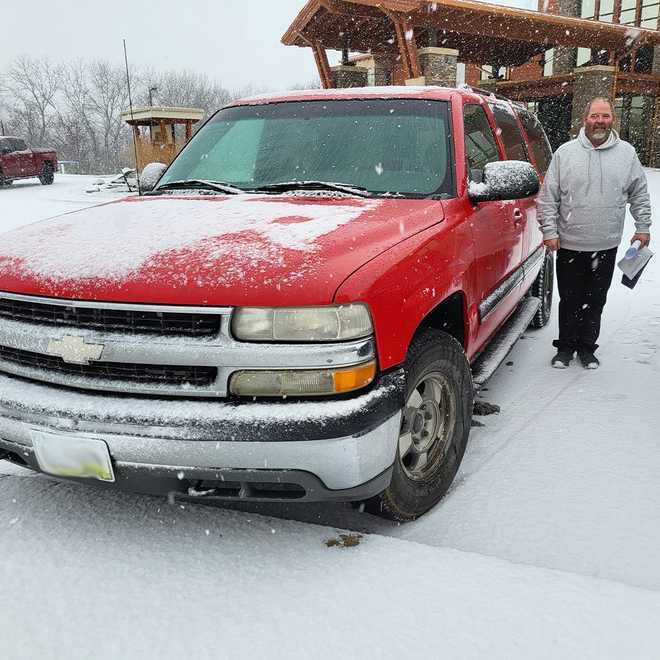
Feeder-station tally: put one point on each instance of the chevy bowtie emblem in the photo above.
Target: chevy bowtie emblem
(74, 350)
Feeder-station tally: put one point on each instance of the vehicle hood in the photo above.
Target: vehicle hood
(208, 250)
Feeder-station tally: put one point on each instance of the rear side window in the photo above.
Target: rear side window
(537, 140)
(19, 145)
(6, 146)
(514, 145)
(480, 145)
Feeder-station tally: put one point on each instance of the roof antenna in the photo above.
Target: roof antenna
(130, 105)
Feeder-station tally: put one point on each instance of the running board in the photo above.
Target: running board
(499, 347)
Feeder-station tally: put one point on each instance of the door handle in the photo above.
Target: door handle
(517, 215)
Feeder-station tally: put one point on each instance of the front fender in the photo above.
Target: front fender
(404, 284)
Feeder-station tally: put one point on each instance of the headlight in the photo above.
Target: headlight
(302, 382)
(302, 324)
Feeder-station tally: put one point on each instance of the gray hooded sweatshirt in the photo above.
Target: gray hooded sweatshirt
(583, 198)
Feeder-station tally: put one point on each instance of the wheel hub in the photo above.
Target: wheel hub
(427, 426)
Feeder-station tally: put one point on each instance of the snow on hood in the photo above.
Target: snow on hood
(159, 249)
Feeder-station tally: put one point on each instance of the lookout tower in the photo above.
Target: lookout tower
(160, 133)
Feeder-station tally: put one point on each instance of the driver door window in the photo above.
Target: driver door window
(480, 145)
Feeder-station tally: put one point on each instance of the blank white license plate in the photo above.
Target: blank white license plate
(71, 456)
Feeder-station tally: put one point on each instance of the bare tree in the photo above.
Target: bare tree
(77, 107)
(35, 83)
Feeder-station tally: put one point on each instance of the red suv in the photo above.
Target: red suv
(299, 308)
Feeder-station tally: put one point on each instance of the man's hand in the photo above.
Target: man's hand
(644, 239)
(552, 244)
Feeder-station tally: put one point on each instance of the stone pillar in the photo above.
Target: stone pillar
(349, 76)
(383, 67)
(439, 65)
(656, 61)
(646, 141)
(653, 149)
(590, 82)
(653, 141)
(565, 59)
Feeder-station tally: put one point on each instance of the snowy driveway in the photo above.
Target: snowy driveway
(546, 547)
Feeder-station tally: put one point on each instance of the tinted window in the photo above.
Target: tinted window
(514, 145)
(537, 140)
(480, 145)
(385, 146)
(19, 145)
(6, 146)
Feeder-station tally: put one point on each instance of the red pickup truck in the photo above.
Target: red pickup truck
(17, 161)
(299, 308)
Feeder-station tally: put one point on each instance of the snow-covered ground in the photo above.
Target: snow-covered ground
(546, 547)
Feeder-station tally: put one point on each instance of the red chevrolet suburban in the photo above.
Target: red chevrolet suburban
(17, 161)
(298, 308)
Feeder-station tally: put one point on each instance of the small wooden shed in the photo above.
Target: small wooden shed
(161, 132)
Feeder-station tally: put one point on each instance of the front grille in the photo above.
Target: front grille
(111, 320)
(151, 374)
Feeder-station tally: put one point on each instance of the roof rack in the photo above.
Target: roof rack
(487, 92)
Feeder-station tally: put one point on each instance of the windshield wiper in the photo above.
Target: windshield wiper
(315, 185)
(217, 186)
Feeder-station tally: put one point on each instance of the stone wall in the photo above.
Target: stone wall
(349, 76)
(590, 82)
(565, 59)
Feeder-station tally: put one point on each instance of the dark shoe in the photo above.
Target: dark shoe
(588, 360)
(563, 358)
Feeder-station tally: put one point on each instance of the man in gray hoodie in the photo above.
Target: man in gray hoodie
(581, 210)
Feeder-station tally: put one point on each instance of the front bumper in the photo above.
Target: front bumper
(308, 450)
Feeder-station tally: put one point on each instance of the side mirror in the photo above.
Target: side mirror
(506, 179)
(151, 176)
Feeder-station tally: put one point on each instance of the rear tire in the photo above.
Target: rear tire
(542, 289)
(47, 175)
(434, 430)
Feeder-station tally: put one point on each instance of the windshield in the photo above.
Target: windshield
(384, 146)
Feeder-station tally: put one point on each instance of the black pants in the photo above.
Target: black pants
(584, 279)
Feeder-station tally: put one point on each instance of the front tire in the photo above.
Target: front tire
(434, 430)
(542, 289)
(47, 175)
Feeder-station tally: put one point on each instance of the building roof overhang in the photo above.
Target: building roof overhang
(481, 32)
(146, 116)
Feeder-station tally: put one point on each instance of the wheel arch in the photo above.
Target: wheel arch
(449, 316)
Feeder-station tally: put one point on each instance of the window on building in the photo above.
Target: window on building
(626, 14)
(583, 56)
(618, 112)
(514, 145)
(588, 9)
(606, 13)
(487, 72)
(537, 140)
(548, 66)
(628, 9)
(650, 13)
(480, 145)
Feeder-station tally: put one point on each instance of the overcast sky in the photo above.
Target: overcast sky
(236, 42)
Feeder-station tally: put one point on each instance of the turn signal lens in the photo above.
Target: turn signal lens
(348, 380)
(307, 382)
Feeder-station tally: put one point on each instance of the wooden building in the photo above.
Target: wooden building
(554, 59)
(160, 133)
